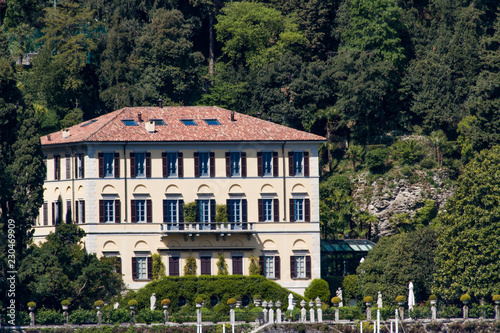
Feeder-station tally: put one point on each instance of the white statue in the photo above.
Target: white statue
(290, 302)
(339, 295)
(379, 300)
(152, 301)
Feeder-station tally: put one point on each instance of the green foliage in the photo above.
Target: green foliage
(147, 316)
(165, 301)
(132, 302)
(99, 303)
(376, 159)
(199, 300)
(254, 268)
(158, 266)
(368, 299)
(407, 151)
(49, 317)
(82, 317)
(432, 297)
(65, 302)
(221, 213)
(32, 304)
(318, 288)
(465, 298)
(397, 259)
(190, 267)
(400, 298)
(469, 232)
(221, 265)
(336, 300)
(190, 212)
(350, 287)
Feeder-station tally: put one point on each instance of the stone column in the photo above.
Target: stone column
(278, 312)
(337, 316)
(32, 317)
(271, 312)
(303, 312)
(198, 318)
(497, 312)
(320, 312)
(401, 313)
(368, 311)
(465, 312)
(264, 311)
(99, 316)
(165, 314)
(311, 311)
(132, 314)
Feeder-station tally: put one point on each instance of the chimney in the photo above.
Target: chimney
(232, 116)
(139, 117)
(259, 114)
(269, 118)
(65, 133)
(150, 126)
(48, 137)
(160, 103)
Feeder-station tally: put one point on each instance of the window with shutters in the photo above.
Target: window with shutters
(173, 266)
(237, 265)
(140, 206)
(108, 159)
(300, 267)
(237, 213)
(267, 163)
(204, 214)
(268, 210)
(204, 164)
(79, 167)
(69, 218)
(80, 211)
(109, 211)
(57, 167)
(171, 164)
(299, 209)
(45, 213)
(173, 214)
(269, 267)
(141, 211)
(142, 268)
(140, 164)
(298, 163)
(45, 162)
(235, 158)
(68, 166)
(56, 212)
(206, 265)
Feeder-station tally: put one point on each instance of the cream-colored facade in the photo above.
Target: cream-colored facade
(82, 185)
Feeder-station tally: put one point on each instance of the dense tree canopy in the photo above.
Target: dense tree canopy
(469, 232)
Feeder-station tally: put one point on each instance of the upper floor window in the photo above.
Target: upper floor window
(268, 210)
(237, 213)
(204, 164)
(79, 166)
(140, 165)
(45, 213)
(205, 213)
(80, 211)
(56, 212)
(57, 167)
(141, 211)
(109, 165)
(142, 268)
(45, 162)
(109, 211)
(68, 166)
(173, 214)
(300, 210)
(300, 267)
(236, 164)
(267, 163)
(298, 163)
(173, 164)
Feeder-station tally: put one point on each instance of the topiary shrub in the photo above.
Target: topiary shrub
(165, 301)
(432, 297)
(368, 299)
(32, 304)
(99, 303)
(496, 298)
(65, 302)
(257, 296)
(133, 302)
(336, 300)
(350, 287)
(400, 298)
(465, 298)
(231, 301)
(318, 288)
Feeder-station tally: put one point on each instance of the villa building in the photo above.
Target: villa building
(126, 177)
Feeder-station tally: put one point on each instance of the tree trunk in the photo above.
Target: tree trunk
(211, 57)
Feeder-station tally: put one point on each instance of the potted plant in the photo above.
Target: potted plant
(433, 299)
(465, 299)
(336, 301)
(165, 303)
(368, 300)
(31, 306)
(400, 299)
(496, 299)
(98, 304)
(132, 304)
(199, 301)
(238, 301)
(231, 302)
(65, 305)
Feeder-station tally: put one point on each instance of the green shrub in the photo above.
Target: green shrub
(400, 298)
(254, 266)
(376, 158)
(190, 267)
(496, 298)
(158, 269)
(82, 316)
(465, 298)
(450, 312)
(99, 303)
(65, 302)
(147, 316)
(165, 301)
(190, 212)
(133, 302)
(221, 213)
(350, 287)
(368, 299)
(231, 301)
(407, 151)
(49, 317)
(32, 304)
(198, 300)
(318, 288)
(257, 296)
(433, 297)
(117, 316)
(221, 265)
(428, 163)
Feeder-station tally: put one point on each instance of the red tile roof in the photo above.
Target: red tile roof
(110, 128)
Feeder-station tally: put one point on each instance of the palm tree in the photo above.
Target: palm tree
(438, 141)
(355, 154)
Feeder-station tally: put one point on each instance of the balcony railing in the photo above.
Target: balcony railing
(210, 227)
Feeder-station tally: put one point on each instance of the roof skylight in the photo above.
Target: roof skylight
(189, 122)
(129, 122)
(88, 123)
(212, 121)
(158, 122)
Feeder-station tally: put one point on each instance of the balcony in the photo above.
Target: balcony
(197, 228)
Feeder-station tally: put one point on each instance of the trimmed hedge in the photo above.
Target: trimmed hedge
(224, 287)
